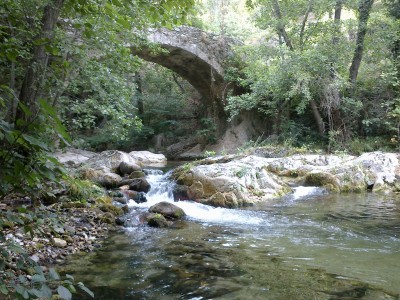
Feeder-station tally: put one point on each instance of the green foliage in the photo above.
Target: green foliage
(208, 131)
(305, 59)
(99, 101)
(223, 17)
(209, 154)
(169, 104)
(83, 190)
(24, 157)
(358, 146)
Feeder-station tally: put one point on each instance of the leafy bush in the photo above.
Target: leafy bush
(25, 153)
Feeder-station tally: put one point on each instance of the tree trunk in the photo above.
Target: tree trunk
(318, 118)
(36, 71)
(10, 116)
(139, 95)
(14, 101)
(364, 10)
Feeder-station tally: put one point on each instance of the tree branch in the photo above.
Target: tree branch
(304, 22)
(281, 27)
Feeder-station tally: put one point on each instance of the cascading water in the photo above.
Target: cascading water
(307, 245)
(162, 190)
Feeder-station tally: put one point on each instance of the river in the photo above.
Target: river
(308, 245)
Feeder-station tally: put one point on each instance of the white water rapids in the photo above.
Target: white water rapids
(162, 190)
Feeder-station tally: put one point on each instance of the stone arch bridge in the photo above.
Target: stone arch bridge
(198, 57)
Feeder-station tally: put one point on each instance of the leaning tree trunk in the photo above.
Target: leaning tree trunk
(364, 10)
(36, 71)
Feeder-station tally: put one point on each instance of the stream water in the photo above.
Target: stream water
(308, 245)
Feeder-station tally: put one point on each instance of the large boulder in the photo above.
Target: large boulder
(110, 159)
(127, 167)
(148, 159)
(104, 168)
(101, 175)
(370, 171)
(73, 157)
(168, 210)
(233, 183)
(236, 181)
(140, 185)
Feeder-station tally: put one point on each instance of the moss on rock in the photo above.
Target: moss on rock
(323, 179)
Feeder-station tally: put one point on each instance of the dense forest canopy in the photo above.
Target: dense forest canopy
(324, 72)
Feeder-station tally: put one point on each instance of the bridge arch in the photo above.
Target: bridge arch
(198, 57)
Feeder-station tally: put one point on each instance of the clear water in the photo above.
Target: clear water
(309, 245)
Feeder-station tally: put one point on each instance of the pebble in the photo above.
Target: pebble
(82, 230)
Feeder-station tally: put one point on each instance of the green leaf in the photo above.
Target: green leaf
(16, 249)
(22, 278)
(64, 293)
(69, 277)
(3, 289)
(85, 289)
(2, 264)
(53, 274)
(22, 291)
(47, 108)
(29, 229)
(34, 141)
(11, 55)
(10, 137)
(124, 23)
(46, 291)
(37, 293)
(41, 41)
(38, 278)
(52, 50)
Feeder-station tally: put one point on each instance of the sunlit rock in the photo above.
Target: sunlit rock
(110, 159)
(147, 158)
(168, 210)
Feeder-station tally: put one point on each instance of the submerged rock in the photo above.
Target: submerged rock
(168, 210)
(157, 220)
(180, 192)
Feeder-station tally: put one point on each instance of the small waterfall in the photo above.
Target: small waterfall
(161, 186)
(303, 191)
(162, 190)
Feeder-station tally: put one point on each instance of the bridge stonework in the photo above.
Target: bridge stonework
(198, 57)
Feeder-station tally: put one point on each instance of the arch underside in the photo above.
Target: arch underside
(200, 74)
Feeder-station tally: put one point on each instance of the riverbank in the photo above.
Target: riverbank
(48, 234)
